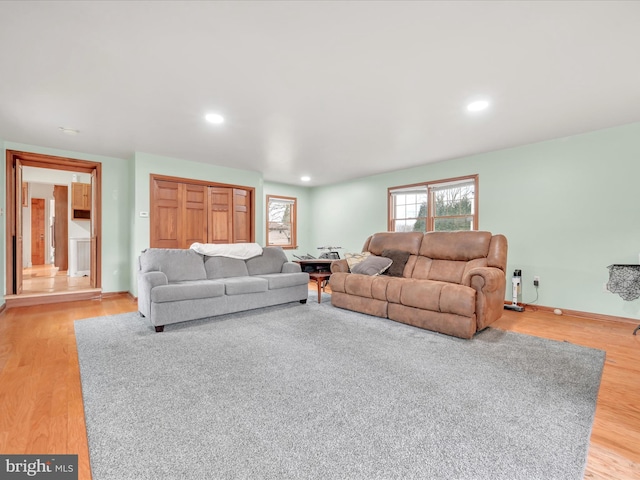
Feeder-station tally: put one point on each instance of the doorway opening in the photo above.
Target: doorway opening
(53, 228)
(56, 251)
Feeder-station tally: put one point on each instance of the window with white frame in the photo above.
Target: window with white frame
(442, 205)
(281, 221)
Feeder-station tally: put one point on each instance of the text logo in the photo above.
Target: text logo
(46, 467)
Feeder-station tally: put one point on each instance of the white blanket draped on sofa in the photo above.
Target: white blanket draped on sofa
(242, 251)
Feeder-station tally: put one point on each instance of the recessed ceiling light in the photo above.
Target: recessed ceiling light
(306, 178)
(68, 131)
(478, 106)
(214, 118)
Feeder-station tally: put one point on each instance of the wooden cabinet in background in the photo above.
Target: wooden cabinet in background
(81, 201)
(183, 213)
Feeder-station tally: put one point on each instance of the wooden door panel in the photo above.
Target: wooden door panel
(219, 231)
(168, 191)
(220, 218)
(241, 216)
(194, 214)
(95, 192)
(195, 195)
(166, 227)
(61, 227)
(165, 214)
(37, 231)
(18, 255)
(240, 228)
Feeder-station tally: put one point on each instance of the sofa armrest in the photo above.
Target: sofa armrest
(339, 266)
(492, 278)
(146, 282)
(490, 285)
(291, 267)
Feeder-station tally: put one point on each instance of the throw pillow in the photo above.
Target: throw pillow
(373, 265)
(355, 258)
(399, 258)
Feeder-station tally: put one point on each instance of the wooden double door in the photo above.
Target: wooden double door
(186, 211)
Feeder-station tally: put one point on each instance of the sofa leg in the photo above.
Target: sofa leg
(160, 328)
(303, 301)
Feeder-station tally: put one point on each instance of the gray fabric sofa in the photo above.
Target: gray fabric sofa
(178, 285)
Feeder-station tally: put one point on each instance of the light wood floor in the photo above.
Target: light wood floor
(48, 279)
(41, 409)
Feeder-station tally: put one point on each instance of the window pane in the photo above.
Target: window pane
(279, 234)
(412, 211)
(281, 221)
(404, 225)
(447, 204)
(451, 224)
(453, 201)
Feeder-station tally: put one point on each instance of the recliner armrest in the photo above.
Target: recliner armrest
(490, 285)
(494, 278)
(339, 266)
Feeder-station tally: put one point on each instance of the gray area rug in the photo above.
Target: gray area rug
(314, 392)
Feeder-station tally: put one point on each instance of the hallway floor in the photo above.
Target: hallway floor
(48, 279)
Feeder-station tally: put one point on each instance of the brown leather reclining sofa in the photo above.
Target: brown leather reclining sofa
(452, 282)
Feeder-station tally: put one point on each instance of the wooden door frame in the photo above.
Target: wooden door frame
(14, 212)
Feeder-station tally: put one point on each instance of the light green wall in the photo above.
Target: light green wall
(306, 243)
(569, 208)
(116, 214)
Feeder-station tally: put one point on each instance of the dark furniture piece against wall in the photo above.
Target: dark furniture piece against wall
(315, 265)
(625, 281)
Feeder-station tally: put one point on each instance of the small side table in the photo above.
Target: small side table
(319, 278)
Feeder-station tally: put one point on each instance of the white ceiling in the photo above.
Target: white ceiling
(334, 90)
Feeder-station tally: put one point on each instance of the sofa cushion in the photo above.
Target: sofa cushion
(421, 268)
(423, 294)
(438, 297)
(372, 265)
(225, 267)
(399, 258)
(358, 285)
(270, 261)
(447, 271)
(285, 280)
(458, 299)
(407, 241)
(355, 258)
(462, 246)
(177, 264)
(240, 285)
(192, 290)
